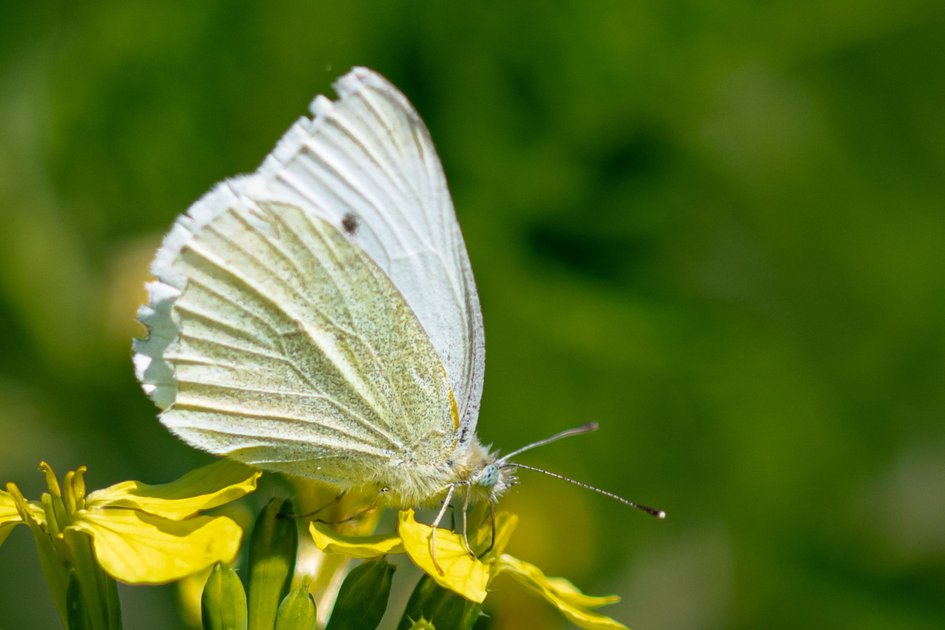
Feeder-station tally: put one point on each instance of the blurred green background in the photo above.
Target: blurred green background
(716, 228)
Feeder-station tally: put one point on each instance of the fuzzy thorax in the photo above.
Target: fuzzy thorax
(475, 467)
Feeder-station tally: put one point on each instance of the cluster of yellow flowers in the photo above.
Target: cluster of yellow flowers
(154, 534)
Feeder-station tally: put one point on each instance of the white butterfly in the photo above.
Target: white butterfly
(319, 317)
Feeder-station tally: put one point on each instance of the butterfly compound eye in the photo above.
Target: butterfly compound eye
(488, 476)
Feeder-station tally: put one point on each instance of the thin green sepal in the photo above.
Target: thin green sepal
(76, 610)
(99, 590)
(57, 577)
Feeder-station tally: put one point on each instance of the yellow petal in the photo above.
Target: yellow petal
(220, 482)
(139, 548)
(10, 515)
(462, 573)
(570, 593)
(330, 541)
(8, 512)
(562, 594)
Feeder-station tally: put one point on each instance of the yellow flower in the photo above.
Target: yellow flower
(139, 534)
(465, 575)
(566, 597)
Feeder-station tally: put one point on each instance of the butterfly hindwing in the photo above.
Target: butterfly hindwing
(293, 350)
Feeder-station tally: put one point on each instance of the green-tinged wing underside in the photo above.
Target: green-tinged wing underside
(296, 353)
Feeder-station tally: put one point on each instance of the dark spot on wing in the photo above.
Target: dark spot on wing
(350, 223)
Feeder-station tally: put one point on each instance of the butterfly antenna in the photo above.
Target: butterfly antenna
(643, 508)
(584, 428)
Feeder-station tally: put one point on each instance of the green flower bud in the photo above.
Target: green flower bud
(224, 600)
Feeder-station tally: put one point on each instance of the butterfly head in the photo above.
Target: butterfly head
(492, 480)
(485, 474)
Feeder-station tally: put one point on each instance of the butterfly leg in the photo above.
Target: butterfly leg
(492, 541)
(465, 513)
(436, 523)
(334, 501)
(352, 517)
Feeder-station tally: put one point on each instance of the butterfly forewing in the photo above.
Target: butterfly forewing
(366, 164)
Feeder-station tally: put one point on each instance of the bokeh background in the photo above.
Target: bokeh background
(716, 228)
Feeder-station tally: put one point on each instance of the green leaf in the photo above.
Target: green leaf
(439, 607)
(272, 554)
(362, 599)
(224, 600)
(297, 611)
